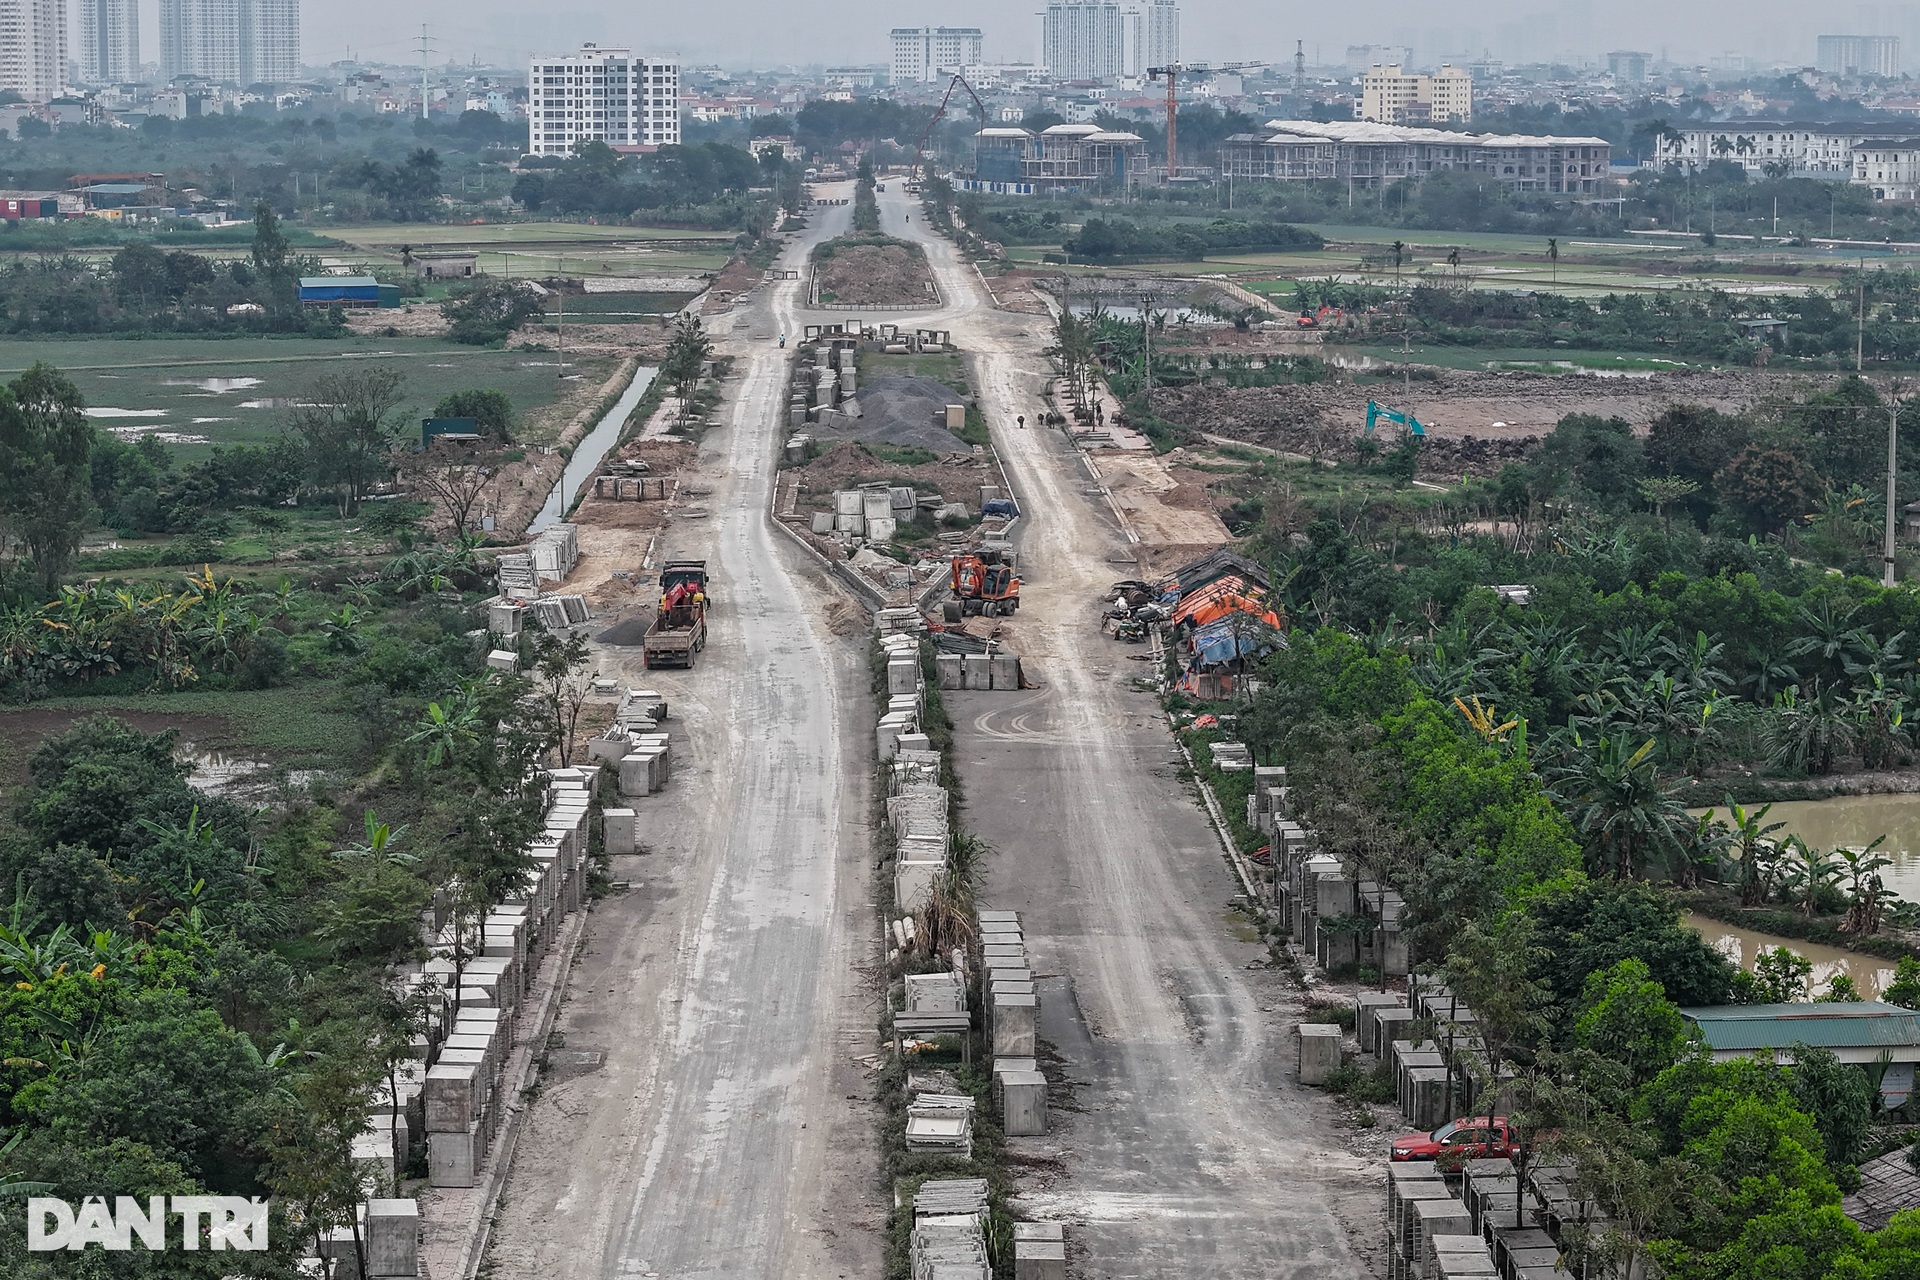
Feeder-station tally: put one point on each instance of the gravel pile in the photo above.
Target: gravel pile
(900, 411)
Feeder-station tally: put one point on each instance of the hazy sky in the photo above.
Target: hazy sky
(772, 32)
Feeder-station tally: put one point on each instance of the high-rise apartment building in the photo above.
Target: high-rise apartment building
(615, 96)
(109, 45)
(922, 54)
(1085, 40)
(33, 47)
(1389, 95)
(234, 41)
(1162, 33)
(1857, 55)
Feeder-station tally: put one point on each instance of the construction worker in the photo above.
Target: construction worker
(1022, 420)
(783, 340)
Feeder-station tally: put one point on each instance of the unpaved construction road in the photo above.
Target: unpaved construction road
(704, 1115)
(1192, 1150)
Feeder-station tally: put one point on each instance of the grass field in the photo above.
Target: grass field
(548, 248)
(1536, 359)
(201, 392)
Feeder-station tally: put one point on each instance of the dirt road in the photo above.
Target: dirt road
(705, 1113)
(1192, 1152)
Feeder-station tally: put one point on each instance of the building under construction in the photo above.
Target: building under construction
(1374, 155)
(1066, 157)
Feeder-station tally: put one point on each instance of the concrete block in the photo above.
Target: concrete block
(1004, 672)
(1015, 1023)
(504, 619)
(452, 1097)
(372, 1153)
(913, 882)
(913, 742)
(453, 1158)
(1319, 1051)
(643, 771)
(1039, 1231)
(948, 666)
(392, 1237)
(618, 829)
(977, 669)
(903, 676)
(503, 660)
(956, 417)
(1039, 1260)
(1365, 1005)
(1023, 1103)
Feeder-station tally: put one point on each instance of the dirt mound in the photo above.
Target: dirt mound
(903, 411)
(872, 273)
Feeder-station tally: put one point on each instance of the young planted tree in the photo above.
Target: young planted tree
(687, 356)
(565, 685)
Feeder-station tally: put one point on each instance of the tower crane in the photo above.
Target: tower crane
(1171, 73)
(958, 82)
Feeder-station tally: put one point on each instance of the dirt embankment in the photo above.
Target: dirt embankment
(1476, 422)
(872, 273)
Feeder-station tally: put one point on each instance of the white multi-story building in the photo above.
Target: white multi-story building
(109, 44)
(1162, 22)
(1791, 148)
(1857, 55)
(615, 96)
(1085, 40)
(1389, 95)
(1377, 155)
(1889, 168)
(33, 47)
(922, 54)
(232, 41)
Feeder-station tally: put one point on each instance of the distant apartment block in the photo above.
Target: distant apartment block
(1389, 95)
(1857, 55)
(109, 46)
(1627, 67)
(615, 96)
(1085, 40)
(33, 47)
(232, 41)
(922, 54)
(1362, 56)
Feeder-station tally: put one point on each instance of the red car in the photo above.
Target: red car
(1452, 1145)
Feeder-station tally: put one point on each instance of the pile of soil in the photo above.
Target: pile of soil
(846, 465)
(903, 411)
(868, 275)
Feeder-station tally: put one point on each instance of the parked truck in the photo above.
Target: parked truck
(679, 629)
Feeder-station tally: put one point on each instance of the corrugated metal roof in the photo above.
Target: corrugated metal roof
(338, 282)
(1840, 1025)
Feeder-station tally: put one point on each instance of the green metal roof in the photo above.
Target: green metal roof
(1859, 1024)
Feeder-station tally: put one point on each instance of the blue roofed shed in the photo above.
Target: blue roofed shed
(343, 291)
(1863, 1032)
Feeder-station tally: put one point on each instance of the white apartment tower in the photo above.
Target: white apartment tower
(33, 47)
(1163, 33)
(922, 54)
(109, 44)
(1085, 40)
(615, 96)
(1857, 55)
(234, 41)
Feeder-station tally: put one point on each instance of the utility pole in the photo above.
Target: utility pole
(1893, 441)
(1860, 323)
(426, 43)
(1146, 351)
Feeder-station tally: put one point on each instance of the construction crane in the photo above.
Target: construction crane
(1171, 73)
(958, 82)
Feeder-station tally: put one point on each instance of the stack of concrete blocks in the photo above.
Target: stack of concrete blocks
(517, 577)
(906, 693)
(1336, 893)
(849, 513)
(1457, 1036)
(640, 711)
(1455, 1255)
(555, 552)
(940, 1124)
(506, 617)
(1409, 1184)
(1039, 1251)
(1231, 757)
(1319, 1051)
(609, 747)
(901, 621)
(648, 765)
(1387, 946)
(1426, 1219)
(390, 1234)
(1013, 1024)
(1267, 801)
(560, 613)
(470, 1040)
(1491, 1191)
(949, 1239)
(877, 509)
(1367, 1027)
(936, 993)
(1526, 1253)
(1420, 1083)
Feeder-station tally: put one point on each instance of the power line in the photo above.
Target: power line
(425, 47)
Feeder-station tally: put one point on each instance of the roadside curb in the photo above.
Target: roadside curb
(1212, 803)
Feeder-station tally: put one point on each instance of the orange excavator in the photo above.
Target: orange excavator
(983, 584)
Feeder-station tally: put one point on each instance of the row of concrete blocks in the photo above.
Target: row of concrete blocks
(917, 815)
(1432, 1233)
(1012, 1023)
(998, 672)
(516, 576)
(555, 551)
(648, 765)
(1310, 888)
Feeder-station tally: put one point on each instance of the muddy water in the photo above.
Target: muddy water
(1851, 822)
(1869, 973)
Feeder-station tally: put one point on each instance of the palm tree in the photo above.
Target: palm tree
(1662, 492)
(1721, 146)
(1621, 809)
(1553, 256)
(1399, 248)
(1750, 842)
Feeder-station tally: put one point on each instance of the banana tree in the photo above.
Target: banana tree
(1810, 873)
(1750, 843)
(1866, 892)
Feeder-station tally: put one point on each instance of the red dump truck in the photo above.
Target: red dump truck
(679, 629)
